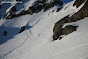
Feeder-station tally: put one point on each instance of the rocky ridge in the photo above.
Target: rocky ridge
(82, 13)
(36, 7)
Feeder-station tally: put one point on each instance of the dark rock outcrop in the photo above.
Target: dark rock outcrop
(78, 2)
(13, 9)
(5, 33)
(22, 29)
(48, 5)
(57, 33)
(82, 13)
(0, 6)
(68, 29)
(18, 0)
(60, 24)
(57, 30)
(35, 8)
(58, 2)
(58, 9)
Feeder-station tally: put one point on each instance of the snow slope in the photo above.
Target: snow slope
(3, 9)
(36, 41)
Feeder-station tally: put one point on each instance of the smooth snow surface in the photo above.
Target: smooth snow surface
(36, 41)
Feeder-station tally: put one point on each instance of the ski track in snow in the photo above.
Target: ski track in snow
(29, 33)
(69, 50)
(23, 42)
(36, 22)
(17, 46)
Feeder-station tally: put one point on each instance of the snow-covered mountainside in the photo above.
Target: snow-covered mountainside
(44, 29)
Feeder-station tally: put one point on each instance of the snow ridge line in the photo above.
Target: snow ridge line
(70, 49)
(2, 57)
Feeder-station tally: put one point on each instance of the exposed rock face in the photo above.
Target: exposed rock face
(22, 29)
(64, 31)
(78, 2)
(82, 13)
(35, 8)
(57, 30)
(48, 5)
(59, 24)
(58, 9)
(13, 9)
(30, 10)
(57, 33)
(68, 29)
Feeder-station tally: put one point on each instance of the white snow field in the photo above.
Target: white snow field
(36, 41)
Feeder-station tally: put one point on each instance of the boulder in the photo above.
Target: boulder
(57, 33)
(58, 9)
(48, 5)
(22, 29)
(59, 24)
(5, 33)
(68, 29)
(31, 10)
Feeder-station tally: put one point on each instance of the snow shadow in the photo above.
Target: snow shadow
(7, 33)
(21, 5)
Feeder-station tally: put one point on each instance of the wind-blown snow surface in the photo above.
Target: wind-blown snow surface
(36, 41)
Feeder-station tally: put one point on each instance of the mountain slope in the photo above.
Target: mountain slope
(35, 42)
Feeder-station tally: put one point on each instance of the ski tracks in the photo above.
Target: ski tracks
(2, 57)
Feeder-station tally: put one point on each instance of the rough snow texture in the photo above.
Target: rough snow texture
(36, 41)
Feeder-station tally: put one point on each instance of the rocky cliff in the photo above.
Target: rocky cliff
(82, 13)
(36, 7)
